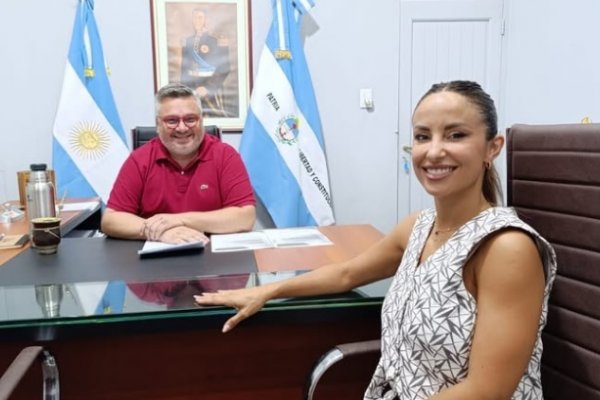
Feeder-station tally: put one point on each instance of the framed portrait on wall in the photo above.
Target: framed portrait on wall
(205, 44)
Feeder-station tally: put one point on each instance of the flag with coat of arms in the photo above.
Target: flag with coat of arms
(282, 143)
(89, 144)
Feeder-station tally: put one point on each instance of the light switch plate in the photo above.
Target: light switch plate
(366, 98)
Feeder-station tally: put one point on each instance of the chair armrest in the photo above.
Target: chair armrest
(21, 364)
(335, 355)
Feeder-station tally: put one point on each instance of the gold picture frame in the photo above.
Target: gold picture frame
(206, 45)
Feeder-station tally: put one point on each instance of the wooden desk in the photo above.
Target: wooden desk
(157, 352)
(69, 221)
(349, 241)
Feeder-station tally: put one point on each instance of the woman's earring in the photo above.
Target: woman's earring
(487, 165)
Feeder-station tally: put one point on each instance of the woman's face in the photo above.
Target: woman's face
(449, 145)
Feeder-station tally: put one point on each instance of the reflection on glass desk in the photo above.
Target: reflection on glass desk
(76, 303)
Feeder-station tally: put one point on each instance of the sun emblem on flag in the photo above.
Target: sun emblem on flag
(89, 140)
(287, 129)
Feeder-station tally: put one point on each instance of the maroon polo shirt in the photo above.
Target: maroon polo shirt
(151, 182)
(173, 292)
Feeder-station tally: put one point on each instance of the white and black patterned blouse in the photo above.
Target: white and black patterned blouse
(428, 316)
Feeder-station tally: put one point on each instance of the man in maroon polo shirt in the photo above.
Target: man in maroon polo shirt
(182, 184)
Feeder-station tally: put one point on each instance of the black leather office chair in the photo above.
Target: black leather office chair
(21, 364)
(143, 134)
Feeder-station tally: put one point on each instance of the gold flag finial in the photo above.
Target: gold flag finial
(283, 54)
(89, 72)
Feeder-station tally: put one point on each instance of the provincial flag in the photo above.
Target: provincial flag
(282, 144)
(89, 144)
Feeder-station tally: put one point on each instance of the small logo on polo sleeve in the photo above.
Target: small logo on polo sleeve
(204, 186)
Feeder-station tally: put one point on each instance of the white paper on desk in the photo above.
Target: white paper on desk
(269, 238)
(240, 241)
(152, 247)
(297, 237)
(84, 205)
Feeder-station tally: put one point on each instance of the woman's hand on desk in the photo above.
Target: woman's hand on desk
(246, 301)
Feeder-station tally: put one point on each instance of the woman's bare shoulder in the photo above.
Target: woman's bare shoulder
(402, 230)
(509, 254)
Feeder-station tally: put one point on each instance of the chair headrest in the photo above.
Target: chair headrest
(142, 134)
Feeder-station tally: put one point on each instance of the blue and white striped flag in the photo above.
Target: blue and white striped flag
(89, 144)
(282, 144)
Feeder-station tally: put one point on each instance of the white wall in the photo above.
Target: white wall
(551, 74)
(552, 61)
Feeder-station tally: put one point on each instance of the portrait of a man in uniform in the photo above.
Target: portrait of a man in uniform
(205, 65)
(204, 44)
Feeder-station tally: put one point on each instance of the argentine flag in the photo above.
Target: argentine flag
(89, 143)
(282, 144)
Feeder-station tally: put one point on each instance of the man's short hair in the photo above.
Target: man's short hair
(175, 90)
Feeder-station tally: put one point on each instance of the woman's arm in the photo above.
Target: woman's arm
(509, 289)
(379, 261)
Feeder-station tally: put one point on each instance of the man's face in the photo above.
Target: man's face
(180, 128)
(199, 20)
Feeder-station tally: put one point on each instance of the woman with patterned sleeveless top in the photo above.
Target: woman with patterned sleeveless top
(464, 313)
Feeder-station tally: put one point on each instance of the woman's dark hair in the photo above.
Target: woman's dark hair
(472, 91)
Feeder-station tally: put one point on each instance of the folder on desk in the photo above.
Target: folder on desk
(157, 248)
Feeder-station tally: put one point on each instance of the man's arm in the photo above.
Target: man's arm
(224, 220)
(122, 224)
(125, 225)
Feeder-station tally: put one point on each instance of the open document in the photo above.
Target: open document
(269, 238)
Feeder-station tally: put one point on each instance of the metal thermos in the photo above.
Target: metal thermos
(49, 298)
(40, 193)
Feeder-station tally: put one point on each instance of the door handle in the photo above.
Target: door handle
(407, 149)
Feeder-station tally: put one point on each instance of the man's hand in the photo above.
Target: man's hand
(182, 234)
(155, 226)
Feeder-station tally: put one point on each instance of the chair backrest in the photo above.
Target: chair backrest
(554, 184)
(142, 134)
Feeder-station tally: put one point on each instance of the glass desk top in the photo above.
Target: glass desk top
(106, 301)
(95, 282)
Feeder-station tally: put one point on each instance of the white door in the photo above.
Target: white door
(442, 41)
